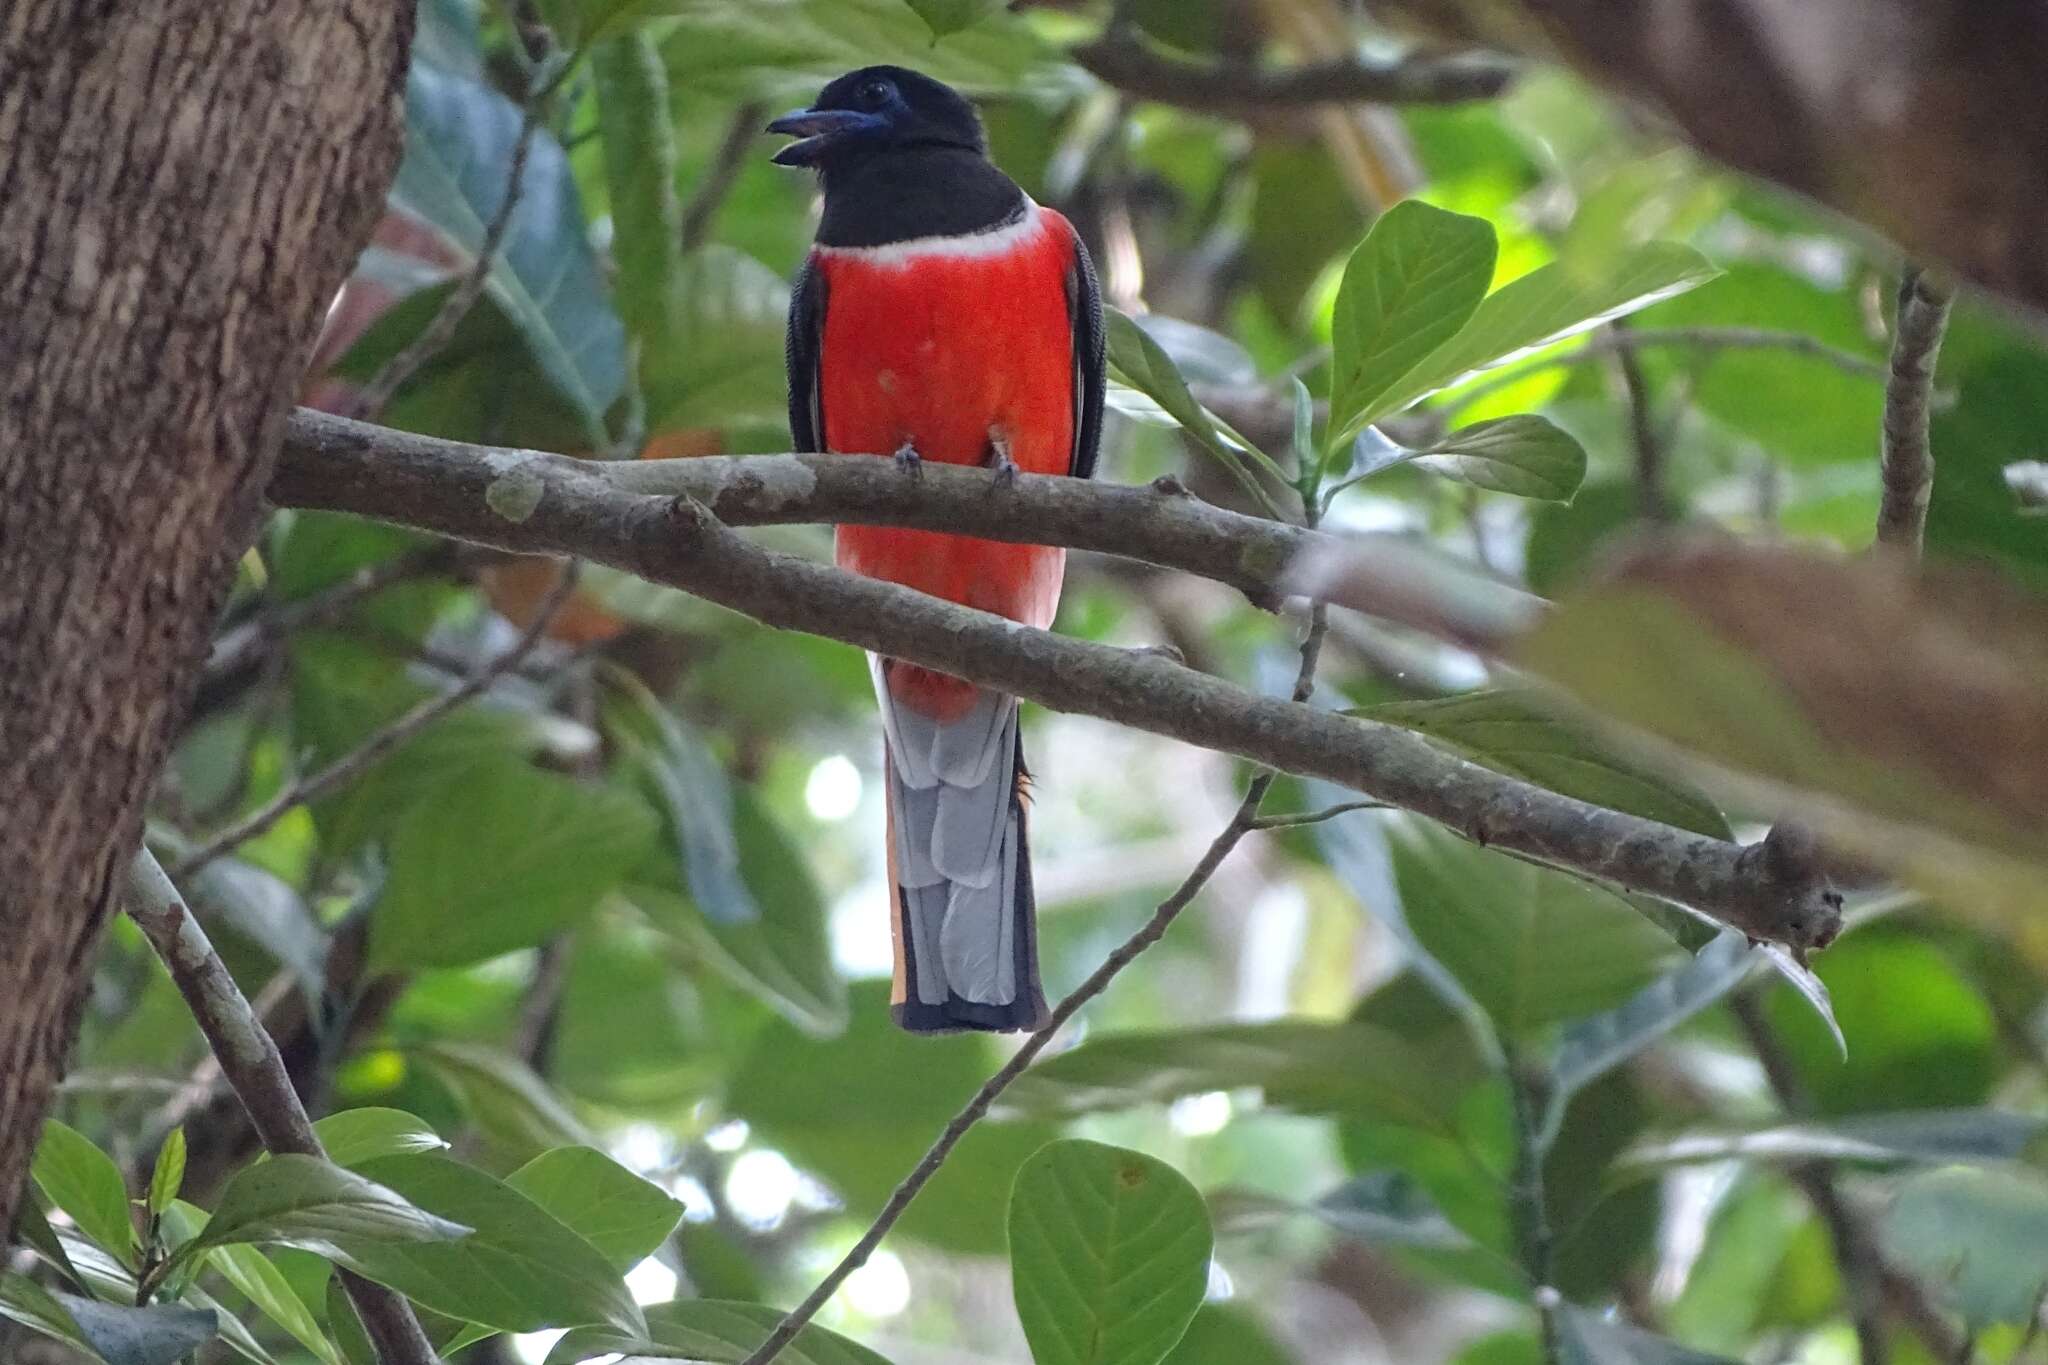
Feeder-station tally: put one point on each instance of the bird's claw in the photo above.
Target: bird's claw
(1005, 470)
(908, 460)
(1166, 652)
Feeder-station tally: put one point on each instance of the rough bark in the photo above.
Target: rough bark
(1921, 118)
(183, 185)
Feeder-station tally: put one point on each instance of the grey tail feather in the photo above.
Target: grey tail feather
(931, 1003)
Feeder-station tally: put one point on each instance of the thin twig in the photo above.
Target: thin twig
(1908, 400)
(370, 399)
(243, 644)
(1243, 822)
(1529, 1199)
(1315, 817)
(353, 763)
(1642, 422)
(1872, 1285)
(248, 1056)
(721, 175)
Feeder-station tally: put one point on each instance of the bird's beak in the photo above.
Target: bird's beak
(818, 129)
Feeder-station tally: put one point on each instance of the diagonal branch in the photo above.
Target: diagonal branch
(249, 1058)
(531, 503)
(1908, 399)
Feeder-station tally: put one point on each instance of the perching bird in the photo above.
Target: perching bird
(942, 315)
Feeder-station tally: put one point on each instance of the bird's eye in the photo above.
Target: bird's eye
(875, 94)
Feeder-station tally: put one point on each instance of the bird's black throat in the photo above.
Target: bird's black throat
(905, 193)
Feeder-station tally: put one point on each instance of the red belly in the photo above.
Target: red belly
(949, 354)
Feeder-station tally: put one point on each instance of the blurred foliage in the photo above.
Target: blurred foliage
(590, 967)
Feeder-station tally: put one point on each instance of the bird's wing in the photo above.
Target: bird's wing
(801, 345)
(1084, 314)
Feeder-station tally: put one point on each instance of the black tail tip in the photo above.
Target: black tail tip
(1026, 1014)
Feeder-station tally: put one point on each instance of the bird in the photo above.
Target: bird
(943, 315)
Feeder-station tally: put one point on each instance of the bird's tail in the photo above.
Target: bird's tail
(959, 861)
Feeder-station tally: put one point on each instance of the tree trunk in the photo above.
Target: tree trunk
(183, 186)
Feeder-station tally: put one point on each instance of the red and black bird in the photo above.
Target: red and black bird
(942, 315)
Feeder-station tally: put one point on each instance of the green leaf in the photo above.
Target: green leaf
(167, 1177)
(1585, 1338)
(785, 958)
(1302, 1067)
(1528, 456)
(157, 1335)
(347, 1327)
(1388, 1208)
(265, 1286)
(83, 1181)
(1408, 288)
(1912, 1137)
(1530, 944)
(265, 909)
(233, 1333)
(787, 49)
(1228, 1334)
(715, 1331)
(725, 364)
(34, 1230)
(460, 135)
(1511, 731)
(753, 908)
(354, 1136)
(947, 17)
(1543, 307)
(690, 790)
(1730, 1285)
(520, 1269)
(1140, 362)
(1802, 410)
(1980, 1237)
(1109, 1254)
(631, 87)
(505, 1098)
(1593, 1046)
(616, 1211)
(1941, 1053)
(301, 1201)
(505, 863)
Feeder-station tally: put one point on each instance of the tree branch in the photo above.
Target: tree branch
(532, 503)
(1908, 399)
(249, 1059)
(1138, 69)
(480, 493)
(409, 725)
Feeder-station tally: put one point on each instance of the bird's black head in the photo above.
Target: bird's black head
(875, 110)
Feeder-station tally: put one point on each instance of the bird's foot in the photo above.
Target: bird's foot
(997, 458)
(908, 460)
(1166, 652)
